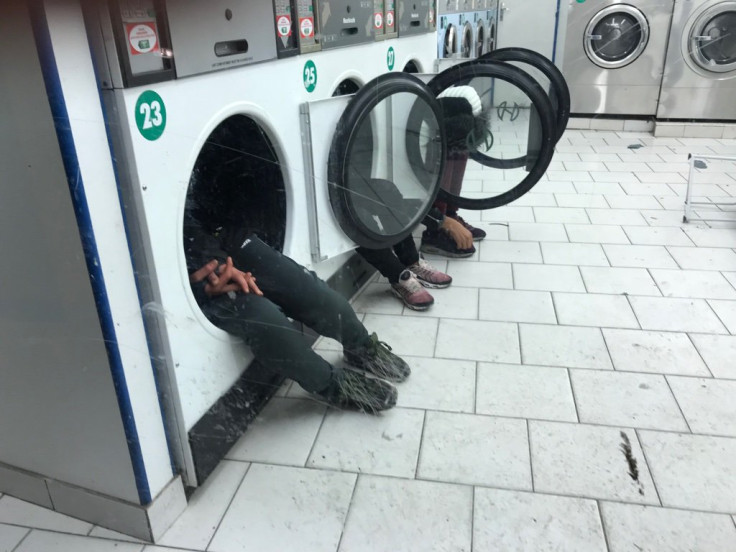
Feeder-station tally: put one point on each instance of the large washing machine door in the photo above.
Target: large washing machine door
(466, 45)
(378, 192)
(616, 36)
(712, 39)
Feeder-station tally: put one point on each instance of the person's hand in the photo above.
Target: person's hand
(224, 278)
(462, 236)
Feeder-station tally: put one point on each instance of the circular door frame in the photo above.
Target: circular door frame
(637, 14)
(449, 42)
(480, 38)
(695, 26)
(465, 40)
(464, 73)
(358, 110)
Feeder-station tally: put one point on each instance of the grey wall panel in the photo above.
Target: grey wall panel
(59, 415)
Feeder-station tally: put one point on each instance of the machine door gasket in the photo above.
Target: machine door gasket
(616, 36)
(464, 73)
(354, 192)
(712, 39)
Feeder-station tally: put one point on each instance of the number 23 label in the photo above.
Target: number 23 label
(150, 115)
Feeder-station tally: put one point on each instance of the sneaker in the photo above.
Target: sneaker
(441, 243)
(429, 276)
(376, 358)
(478, 234)
(355, 390)
(411, 292)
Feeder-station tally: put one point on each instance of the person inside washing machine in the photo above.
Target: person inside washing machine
(446, 232)
(248, 289)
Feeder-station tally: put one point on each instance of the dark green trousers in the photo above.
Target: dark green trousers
(289, 290)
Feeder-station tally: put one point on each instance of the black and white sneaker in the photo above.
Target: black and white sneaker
(376, 358)
(441, 243)
(358, 391)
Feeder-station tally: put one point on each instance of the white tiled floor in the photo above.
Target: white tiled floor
(591, 322)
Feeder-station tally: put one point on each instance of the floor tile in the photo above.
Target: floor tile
(46, 541)
(645, 188)
(708, 404)
(589, 461)
(108, 534)
(585, 166)
(572, 176)
(509, 252)
(537, 231)
(384, 445)
(516, 306)
(632, 527)
(619, 177)
(712, 237)
(439, 384)
(626, 399)
(481, 275)
(581, 200)
(547, 277)
(561, 214)
(698, 284)
(633, 202)
(612, 311)
(704, 258)
(563, 346)
(283, 508)
(377, 298)
(554, 187)
(639, 256)
(584, 254)
(453, 302)
(596, 233)
(628, 281)
(694, 472)
(525, 392)
(616, 216)
(657, 352)
(657, 236)
(195, 527)
(478, 340)
(607, 188)
(10, 536)
(407, 335)
(518, 521)
(661, 177)
(634, 167)
(726, 311)
(395, 515)
(19, 512)
(719, 352)
(283, 433)
(676, 315)
(477, 450)
(508, 214)
(662, 217)
(538, 200)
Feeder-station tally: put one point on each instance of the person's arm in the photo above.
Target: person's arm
(215, 279)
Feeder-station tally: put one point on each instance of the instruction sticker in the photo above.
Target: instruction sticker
(378, 20)
(283, 25)
(142, 37)
(390, 19)
(306, 27)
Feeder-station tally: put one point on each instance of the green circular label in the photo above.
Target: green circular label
(390, 58)
(150, 115)
(310, 76)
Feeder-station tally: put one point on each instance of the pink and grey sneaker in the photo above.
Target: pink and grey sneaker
(478, 234)
(411, 292)
(429, 276)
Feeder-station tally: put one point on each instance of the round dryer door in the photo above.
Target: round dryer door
(713, 38)
(378, 192)
(616, 36)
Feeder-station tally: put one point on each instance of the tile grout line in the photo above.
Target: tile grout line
(649, 467)
(690, 338)
(531, 461)
(603, 524)
(574, 398)
(229, 504)
(679, 407)
(472, 516)
(350, 509)
(421, 445)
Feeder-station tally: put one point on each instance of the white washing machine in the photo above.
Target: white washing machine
(194, 89)
(614, 55)
(700, 72)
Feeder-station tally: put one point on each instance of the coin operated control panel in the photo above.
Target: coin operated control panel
(416, 17)
(346, 22)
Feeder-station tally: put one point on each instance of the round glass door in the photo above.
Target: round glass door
(449, 47)
(616, 36)
(480, 40)
(379, 192)
(466, 41)
(713, 38)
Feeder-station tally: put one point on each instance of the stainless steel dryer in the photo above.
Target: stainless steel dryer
(614, 55)
(700, 72)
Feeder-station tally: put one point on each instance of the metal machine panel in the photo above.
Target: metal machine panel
(286, 28)
(346, 22)
(307, 26)
(416, 17)
(389, 19)
(220, 34)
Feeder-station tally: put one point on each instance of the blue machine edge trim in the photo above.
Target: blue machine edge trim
(70, 159)
(557, 28)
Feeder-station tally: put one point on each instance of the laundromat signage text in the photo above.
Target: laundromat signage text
(150, 115)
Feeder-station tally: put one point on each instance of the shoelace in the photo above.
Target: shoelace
(376, 343)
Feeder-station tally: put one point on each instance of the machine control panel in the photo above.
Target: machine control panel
(307, 22)
(416, 17)
(346, 22)
(286, 29)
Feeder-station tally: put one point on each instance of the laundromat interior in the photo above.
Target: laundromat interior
(572, 389)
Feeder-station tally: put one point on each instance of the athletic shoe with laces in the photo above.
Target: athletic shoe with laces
(477, 233)
(356, 390)
(429, 276)
(411, 291)
(375, 357)
(441, 243)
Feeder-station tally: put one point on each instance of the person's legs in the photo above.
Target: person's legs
(305, 297)
(426, 274)
(385, 261)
